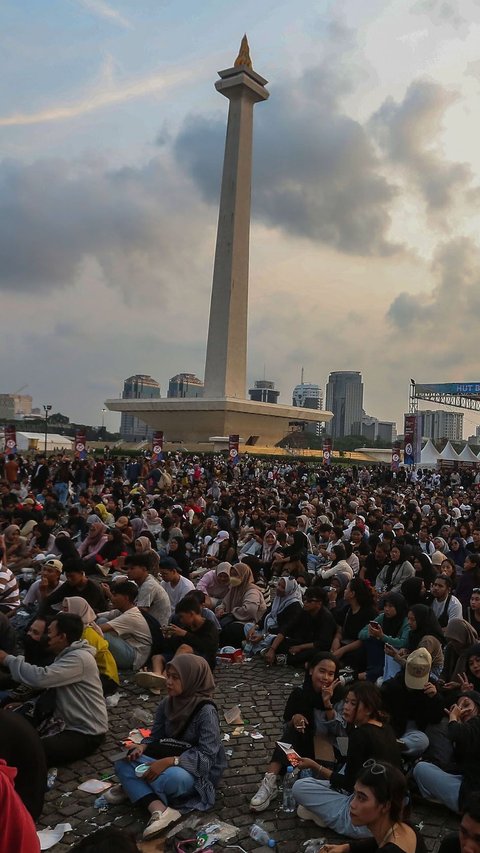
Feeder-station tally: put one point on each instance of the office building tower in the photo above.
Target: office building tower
(345, 400)
(307, 395)
(376, 430)
(138, 387)
(263, 391)
(438, 424)
(185, 385)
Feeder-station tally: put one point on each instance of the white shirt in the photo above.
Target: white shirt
(176, 593)
(454, 608)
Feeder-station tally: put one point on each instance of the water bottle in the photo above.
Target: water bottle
(52, 777)
(288, 804)
(258, 833)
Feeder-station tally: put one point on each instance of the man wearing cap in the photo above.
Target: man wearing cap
(174, 584)
(47, 583)
(413, 702)
(76, 584)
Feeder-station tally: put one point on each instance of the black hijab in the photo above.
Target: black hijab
(392, 625)
(427, 623)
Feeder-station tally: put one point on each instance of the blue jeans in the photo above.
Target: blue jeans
(123, 653)
(437, 785)
(171, 784)
(61, 491)
(331, 806)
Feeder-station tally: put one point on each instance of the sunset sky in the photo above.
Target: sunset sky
(365, 246)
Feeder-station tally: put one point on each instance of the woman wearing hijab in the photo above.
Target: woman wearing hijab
(460, 638)
(269, 547)
(424, 569)
(277, 622)
(177, 549)
(413, 590)
(472, 668)
(339, 564)
(397, 570)
(243, 603)
(389, 627)
(143, 545)
(215, 584)
(457, 551)
(184, 752)
(107, 666)
(95, 539)
(16, 547)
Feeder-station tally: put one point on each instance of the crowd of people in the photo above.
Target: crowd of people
(366, 581)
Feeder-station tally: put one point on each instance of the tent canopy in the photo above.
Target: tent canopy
(448, 454)
(429, 455)
(467, 455)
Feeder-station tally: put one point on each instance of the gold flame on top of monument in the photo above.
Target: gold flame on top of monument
(243, 57)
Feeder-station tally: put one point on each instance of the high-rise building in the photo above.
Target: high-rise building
(437, 424)
(307, 395)
(185, 385)
(138, 387)
(263, 391)
(375, 430)
(345, 400)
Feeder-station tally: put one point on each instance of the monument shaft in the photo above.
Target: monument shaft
(226, 361)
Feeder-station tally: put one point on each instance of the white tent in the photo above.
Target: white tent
(36, 441)
(429, 455)
(467, 455)
(448, 454)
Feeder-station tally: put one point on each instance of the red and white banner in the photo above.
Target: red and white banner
(80, 444)
(395, 465)
(157, 446)
(233, 455)
(327, 451)
(10, 440)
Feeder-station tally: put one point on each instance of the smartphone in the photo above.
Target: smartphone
(374, 624)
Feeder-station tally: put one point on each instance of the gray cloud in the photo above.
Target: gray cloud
(56, 215)
(316, 174)
(442, 12)
(452, 306)
(406, 133)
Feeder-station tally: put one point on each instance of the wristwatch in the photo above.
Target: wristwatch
(176, 761)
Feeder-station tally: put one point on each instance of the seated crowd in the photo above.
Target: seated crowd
(369, 586)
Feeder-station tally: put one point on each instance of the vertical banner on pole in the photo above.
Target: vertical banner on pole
(395, 465)
(327, 451)
(233, 456)
(80, 444)
(157, 446)
(413, 440)
(10, 439)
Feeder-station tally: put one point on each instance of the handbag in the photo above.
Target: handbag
(167, 747)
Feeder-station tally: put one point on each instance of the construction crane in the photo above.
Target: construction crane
(14, 393)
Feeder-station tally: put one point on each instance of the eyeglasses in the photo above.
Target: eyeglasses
(375, 768)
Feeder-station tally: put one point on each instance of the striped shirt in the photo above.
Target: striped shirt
(9, 592)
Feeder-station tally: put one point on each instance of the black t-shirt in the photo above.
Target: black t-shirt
(204, 641)
(91, 592)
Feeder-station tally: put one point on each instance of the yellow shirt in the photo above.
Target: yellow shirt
(103, 656)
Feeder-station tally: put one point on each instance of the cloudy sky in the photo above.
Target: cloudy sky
(365, 249)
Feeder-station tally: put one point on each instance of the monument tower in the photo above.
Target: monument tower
(226, 362)
(224, 409)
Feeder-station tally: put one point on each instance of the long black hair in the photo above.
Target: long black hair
(391, 626)
(389, 786)
(427, 623)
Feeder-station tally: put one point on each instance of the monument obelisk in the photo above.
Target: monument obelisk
(226, 360)
(223, 410)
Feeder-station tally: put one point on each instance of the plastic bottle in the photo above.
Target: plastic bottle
(288, 804)
(141, 717)
(52, 777)
(260, 834)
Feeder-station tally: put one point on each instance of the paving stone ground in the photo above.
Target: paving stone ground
(261, 693)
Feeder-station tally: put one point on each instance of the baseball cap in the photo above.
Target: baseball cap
(54, 564)
(399, 526)
(417, 669)
(437, 558)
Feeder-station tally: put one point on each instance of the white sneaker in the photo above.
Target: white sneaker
(115, 795)
(159, 821)
(267, 792)
(150, 679)
(306, 814)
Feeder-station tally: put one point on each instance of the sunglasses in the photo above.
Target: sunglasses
(375, 768)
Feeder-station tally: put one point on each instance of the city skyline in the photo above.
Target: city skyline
(366, 173)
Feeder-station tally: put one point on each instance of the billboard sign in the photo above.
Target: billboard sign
(458, 389)
(157, 446)
(80, 445)
(10, 440)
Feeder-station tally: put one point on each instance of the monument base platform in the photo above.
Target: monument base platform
(190, 420)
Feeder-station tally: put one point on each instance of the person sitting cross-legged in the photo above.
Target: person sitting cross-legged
(184, 754)
(79, 700)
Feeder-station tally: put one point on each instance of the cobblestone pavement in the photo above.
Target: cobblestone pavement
(261, 693)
